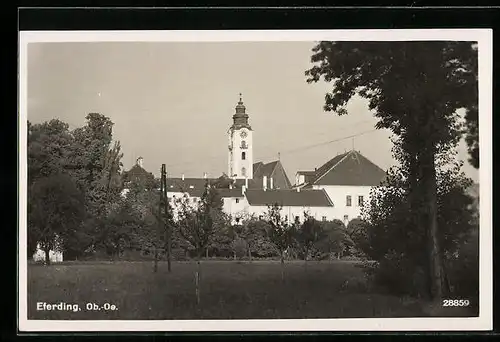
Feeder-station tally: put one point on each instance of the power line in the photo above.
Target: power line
(328, 142)
(302, 148)
(266, 156)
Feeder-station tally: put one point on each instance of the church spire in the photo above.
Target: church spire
(240, 117)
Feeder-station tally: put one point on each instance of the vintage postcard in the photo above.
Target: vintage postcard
(308, 180)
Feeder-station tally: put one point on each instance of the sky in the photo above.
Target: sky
(172, 103)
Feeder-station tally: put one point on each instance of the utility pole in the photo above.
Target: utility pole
(168, 228)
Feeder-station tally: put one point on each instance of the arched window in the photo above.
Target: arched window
(243, 171)
(244, 144)
(243, 155)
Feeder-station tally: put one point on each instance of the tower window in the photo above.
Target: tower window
(243, 155)
(243, 171)
(244, 144)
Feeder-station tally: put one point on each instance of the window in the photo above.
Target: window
(237, 200)
(243, 144)
(360, 201)
(346, 218)
(297, 218)
(243, 155)
(243, 171)
(348, 202)
(260, 217)
(237, 220)
(323, 218)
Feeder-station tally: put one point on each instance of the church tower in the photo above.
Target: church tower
(240, 161)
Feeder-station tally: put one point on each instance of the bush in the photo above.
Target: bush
(239, 247)
(463, 270)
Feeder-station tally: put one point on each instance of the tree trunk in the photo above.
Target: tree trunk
(197, 278)
(430, 189)
(249, 254)
(234, 255)
(47, 255)
(206, 253)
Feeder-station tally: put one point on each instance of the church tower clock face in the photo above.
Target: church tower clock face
(243, 134)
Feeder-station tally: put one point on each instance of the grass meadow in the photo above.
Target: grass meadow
(229, 290)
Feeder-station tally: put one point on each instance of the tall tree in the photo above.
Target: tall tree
(96, 164)
(55, 206)
(49, 146)
(49, 149)
(415, 89)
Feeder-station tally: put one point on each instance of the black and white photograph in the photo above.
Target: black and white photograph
(255, 180)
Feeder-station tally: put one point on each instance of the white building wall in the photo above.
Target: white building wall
(239, 207)
(39, 255)
(236, 207)
(328, 213)
(338, 195)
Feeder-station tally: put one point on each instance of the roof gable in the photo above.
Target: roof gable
(265, 170)
(270, 170)
(350, 168)
(256, 166)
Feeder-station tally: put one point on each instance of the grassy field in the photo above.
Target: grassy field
(229, 290)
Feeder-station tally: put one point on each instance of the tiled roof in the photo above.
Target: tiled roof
(196, 186)
(252, 183)
(230, 192)
(307, 173)
(193, 186)
(308, 198)
(350, 168)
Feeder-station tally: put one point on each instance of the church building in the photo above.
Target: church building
(337, 189)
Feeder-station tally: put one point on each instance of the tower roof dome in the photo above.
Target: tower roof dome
(240, 117)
